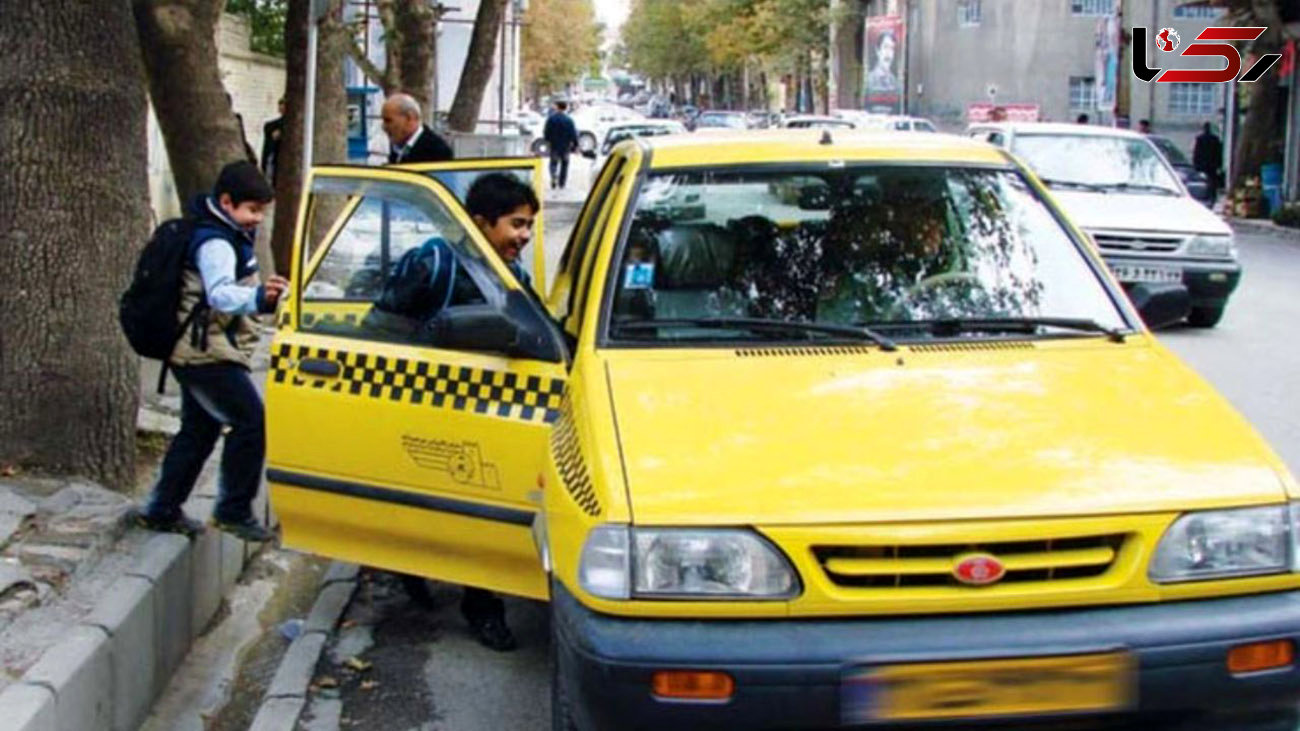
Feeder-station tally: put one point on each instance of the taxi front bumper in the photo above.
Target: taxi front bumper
(788, 672)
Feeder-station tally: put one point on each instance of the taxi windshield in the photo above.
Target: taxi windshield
(711, 253)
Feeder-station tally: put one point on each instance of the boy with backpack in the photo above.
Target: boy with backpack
(213, 335)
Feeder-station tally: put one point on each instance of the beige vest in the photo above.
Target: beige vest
(230, 338)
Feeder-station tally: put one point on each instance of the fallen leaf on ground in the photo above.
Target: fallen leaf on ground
(358, 664)
(369, 684)
(326, 681)
(8, 470)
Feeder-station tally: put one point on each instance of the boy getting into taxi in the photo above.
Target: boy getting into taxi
(220, 295)
(427, 279)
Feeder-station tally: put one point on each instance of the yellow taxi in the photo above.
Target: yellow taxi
(806, 429)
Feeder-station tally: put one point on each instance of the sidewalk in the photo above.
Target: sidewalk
(95, 617)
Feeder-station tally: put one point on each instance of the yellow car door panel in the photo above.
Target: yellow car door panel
(387, 445)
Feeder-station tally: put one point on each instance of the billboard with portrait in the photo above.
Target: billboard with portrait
(884, 84)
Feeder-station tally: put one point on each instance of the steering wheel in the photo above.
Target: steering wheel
(938, 280)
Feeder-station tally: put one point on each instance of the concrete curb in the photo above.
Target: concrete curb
(287, 695)
(110, 668)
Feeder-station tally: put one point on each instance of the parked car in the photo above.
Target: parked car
(648, 128)
(719, 119)
(1197, 184)
(902, 123)
(898, 452)
(1119, 188)
(812, 121)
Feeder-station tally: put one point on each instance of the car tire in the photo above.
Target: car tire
(1205, 316)
(561, 711)
(540, 148)
(587, 142)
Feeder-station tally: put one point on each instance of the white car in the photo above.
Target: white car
(812, 121)
(642, 128)
(900, 122)
(1117, 186)
(592, 121)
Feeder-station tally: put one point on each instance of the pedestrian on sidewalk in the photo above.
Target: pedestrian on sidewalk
(561, 139)
(1207, 157)
(220, 297)
(410, 139)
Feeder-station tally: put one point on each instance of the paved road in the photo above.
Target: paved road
(428, 674)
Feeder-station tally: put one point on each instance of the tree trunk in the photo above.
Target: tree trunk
(1260, 138)
(478, 66)
(178, 41)
(330, 136)
(415, 25)
(288, 188)
(73, 212)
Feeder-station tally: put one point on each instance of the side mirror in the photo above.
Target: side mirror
(1161, 305)
(515, 332)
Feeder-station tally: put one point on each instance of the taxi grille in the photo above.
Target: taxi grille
(899, 566)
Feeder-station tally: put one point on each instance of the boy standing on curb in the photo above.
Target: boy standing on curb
(220, 296)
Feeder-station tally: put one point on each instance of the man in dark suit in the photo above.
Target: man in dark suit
(271, 132)
(411, 140)
(1207, 157)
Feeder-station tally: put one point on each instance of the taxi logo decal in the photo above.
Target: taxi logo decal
(478, 390)
(462, 460)
(978, 569)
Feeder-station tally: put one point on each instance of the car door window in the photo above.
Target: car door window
(562, 299)
(369, 280)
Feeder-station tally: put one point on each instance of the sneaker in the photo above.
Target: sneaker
(492, 632)
(249, 530)
(182, 525)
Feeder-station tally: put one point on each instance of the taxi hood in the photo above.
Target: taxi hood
(788, 437)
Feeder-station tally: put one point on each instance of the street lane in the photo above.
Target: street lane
(430, 675)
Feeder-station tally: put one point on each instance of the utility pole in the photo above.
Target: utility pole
(318, 10)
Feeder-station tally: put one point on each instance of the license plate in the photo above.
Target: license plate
(986, 688)
(1147, 273)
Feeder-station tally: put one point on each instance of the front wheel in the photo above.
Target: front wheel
(1205, 316)
(587, 142)
(561, 711)
(540, 147)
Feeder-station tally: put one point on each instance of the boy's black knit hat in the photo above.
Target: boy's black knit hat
(243, 182)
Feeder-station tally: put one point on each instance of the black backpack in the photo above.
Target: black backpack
(148, 307)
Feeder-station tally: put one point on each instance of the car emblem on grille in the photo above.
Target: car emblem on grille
(978, 569)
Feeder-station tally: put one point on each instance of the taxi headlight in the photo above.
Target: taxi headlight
(683, 563)
(1221, 543)
(1213, 247)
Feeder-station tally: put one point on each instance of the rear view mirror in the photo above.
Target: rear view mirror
(1161, 305)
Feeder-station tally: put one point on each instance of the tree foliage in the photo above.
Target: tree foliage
(561, 42)
(671, 39)
(266, 19)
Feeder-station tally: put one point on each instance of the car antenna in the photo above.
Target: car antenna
(826, 137)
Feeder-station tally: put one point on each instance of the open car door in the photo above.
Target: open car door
(416, 450)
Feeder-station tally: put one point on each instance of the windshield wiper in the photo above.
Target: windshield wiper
(1054, 183)
(1140, 186)
(760, 325)
(1024, 324)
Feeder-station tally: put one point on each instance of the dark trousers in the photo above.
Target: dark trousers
(559, 167)
(481, 603)
(213, 396)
